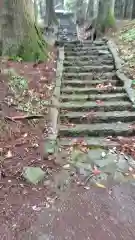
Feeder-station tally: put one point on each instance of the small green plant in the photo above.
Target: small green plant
(18, 84)
(15, 58)
(128, 35)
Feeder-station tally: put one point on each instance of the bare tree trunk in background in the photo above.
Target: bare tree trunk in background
(96, 3)
(90, 9)
(35, 10)
(50, 13)
(113, 6)
(80, 11)
(133, 10)
(19, 34)
(128, 9)
(119, 9)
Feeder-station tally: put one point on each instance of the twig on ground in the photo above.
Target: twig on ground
(28, 117)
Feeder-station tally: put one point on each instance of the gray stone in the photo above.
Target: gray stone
(110, 105)
(97, 129)
(83, 168)
(33, 174)
(122, 164)
(119, 177)
(78, 156)
(49, 146)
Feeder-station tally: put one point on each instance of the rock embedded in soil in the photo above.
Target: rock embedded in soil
(33, 175)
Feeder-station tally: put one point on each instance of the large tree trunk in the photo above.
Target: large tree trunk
(105, 18)
(19, 34)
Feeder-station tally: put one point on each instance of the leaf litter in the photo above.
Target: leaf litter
(25, 92)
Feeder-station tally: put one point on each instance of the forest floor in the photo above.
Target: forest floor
(24, 91)
(124, 37)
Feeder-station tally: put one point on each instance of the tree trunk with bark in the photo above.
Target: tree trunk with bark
(19, 33)
(127, 11)
(90, 9)
(105, 18)
(133, 10)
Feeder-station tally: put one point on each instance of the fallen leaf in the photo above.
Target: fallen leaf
(100, 185)
(9, 154)
(130, 169)
(35, 208)
(96, 171)
(25, 135)
(67, 166)
(103, 154)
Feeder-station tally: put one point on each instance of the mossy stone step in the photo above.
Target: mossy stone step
(87, 76)
(85, 43)
(103, 97)
(87, 117)
(92, 105)
(92, 142)
(89, 68)
(80, 83)
(88, 53)
(85, 48)
(87, 58)
(91, 90)
(87, 63)
(97, 130)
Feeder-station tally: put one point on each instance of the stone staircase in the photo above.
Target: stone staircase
(93, 103)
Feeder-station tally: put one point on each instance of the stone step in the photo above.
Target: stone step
(97, 130)
(96, 117)
(91, 90)
(91, 75)
(86, 43)
(92, 142)
(92, 105)
(85, 48)
(88, 53)
(85, 83)
(86, 69)
(87, 58)
(94, 97)
(87, 63)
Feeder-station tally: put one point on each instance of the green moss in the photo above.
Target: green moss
(109, 21)
(33, 47)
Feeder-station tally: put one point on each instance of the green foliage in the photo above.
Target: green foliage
(128, 35)
(70, 5)
(17, 83)
(15, 58)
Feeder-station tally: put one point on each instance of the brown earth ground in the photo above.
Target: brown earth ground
(22, 143)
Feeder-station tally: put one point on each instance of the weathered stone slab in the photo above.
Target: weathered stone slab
(98, 129)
